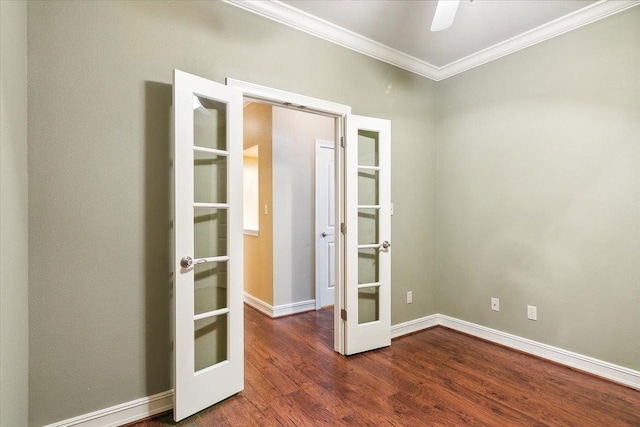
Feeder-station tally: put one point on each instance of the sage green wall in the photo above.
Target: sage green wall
(99, 204)
(538, 183)
(14, 319)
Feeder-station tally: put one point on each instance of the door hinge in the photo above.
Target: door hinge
(343, 314)
(342, 144)
(343, 228)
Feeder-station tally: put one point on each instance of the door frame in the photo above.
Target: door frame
(339, 112)
(320, 143)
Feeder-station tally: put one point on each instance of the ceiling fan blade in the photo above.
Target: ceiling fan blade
(445, 12)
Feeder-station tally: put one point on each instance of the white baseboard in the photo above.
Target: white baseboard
(258, 304)
(615, 373)
(123, 413)
(415, 325)
(279, 310)
(148, 406)
(296, 307)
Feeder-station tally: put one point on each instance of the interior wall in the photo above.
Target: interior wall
(14, 319)
(99, 126)
(258, 250)
(294, 135)
(539, 191)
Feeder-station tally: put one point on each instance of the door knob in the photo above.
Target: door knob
(385, 244)
(186, 261)
(324, 234)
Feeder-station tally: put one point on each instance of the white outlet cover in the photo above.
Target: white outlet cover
(532, 312)
(495, 304)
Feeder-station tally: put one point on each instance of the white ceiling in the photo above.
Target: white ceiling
(397, 31)
(404, 25)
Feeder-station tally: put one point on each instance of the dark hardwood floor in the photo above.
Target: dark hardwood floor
(437, 377)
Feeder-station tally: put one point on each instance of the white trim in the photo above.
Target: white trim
(415, 325)
(251, 232)
(258, 304)
(295, 18)
(572, 21)
(600, 368)
(123, 413)
(290, 99)
(279, 310)
(294, 308)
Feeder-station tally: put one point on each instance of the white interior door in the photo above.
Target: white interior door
(368, 234)
(208, 335)
(325, 223)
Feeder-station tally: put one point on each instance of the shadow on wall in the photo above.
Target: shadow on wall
(158, 231)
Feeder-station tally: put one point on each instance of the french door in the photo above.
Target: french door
(208, 292)
(367, 234)
(208, 295)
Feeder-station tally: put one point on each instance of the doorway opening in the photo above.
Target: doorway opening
(336, 113)
(284, 151)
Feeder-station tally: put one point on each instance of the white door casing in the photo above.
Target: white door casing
(349, 336)
(325, 223)
(339, 112)
(208, 297)
(368, 234)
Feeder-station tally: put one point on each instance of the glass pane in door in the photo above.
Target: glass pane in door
(209, 177)
(368, 184)
(210, 287)
(368, 304)
(210, 335)
(209, 232)
(209, 123)
(367, 265)
(368, 148)
(367, 226)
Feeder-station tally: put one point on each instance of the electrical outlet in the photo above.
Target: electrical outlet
(495, 304)
(409, 297)
(532, 312)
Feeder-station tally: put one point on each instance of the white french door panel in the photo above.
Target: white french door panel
(208, 307)
(368, 234)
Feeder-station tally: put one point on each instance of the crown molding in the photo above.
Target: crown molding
(295, 18)
(564, 24)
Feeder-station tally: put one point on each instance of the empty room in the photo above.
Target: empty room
(471, 236)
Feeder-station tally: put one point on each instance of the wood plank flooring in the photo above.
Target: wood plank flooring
(436, 377)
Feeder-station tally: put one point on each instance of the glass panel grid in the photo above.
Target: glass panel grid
(368, 226)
